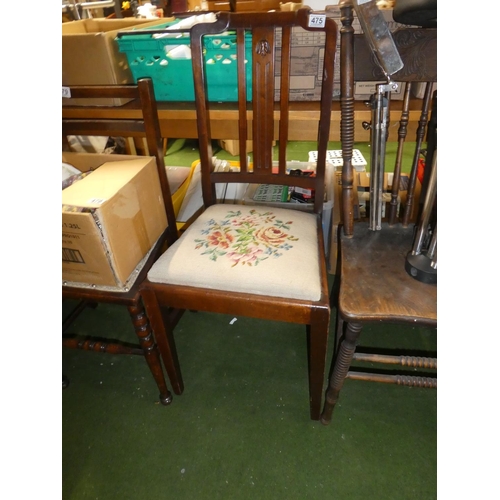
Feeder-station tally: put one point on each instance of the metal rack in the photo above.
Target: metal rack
(82, 10)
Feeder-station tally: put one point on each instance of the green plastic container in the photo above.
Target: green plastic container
(164, 60)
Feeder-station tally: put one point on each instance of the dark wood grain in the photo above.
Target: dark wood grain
(372, 282)
(314, 315)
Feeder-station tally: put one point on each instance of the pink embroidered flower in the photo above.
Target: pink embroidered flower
(271, 236)
(240, 240)
(249, 256)
(220, 239)
(249, 220)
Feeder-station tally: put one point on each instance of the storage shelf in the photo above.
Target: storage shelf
(178, 119)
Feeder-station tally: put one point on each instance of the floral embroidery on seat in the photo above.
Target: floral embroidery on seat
(246, 240)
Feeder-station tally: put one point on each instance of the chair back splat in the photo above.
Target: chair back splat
(146, 127)
(241, 259)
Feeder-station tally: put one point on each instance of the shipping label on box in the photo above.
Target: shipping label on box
(110, 221)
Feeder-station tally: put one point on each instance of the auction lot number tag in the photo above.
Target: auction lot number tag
(317, 20)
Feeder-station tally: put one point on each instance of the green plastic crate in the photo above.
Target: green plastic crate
(172, 77)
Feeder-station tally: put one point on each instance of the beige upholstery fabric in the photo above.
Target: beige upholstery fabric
(242, 248)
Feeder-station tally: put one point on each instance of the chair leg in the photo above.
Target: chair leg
(341, 367)
(163, 333)
(318, 345)
(338, 333)
(146, 339)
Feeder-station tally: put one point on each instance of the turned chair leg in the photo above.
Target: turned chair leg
(151, 353)
(163, 332)
(341, 367)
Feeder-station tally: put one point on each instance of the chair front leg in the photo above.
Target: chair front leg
(163, 332)
(318, 346)
(151, 353)
(341, 367)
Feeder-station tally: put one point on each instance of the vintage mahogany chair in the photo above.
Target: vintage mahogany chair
(253, 260)
(374, 286)
(145, 126)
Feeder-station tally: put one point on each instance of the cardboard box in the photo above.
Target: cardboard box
(118, 216)
(306, 63)
(90, 55)
(307, 56)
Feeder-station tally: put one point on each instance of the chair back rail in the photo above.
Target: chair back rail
(260, 107)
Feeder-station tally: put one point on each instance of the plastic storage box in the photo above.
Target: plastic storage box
(165, 56)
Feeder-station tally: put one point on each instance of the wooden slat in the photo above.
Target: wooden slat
(263, 53)
(242, 99)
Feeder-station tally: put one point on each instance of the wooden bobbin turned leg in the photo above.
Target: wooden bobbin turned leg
(151, 353)
(341, 367)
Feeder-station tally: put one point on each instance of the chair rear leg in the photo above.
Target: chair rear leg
(341, 367)
(151, 353)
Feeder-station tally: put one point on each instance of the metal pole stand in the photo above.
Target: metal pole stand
(380, 108)
(421, 261)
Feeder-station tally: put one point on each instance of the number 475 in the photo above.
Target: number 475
(317, 20)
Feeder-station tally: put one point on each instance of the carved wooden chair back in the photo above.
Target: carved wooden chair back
(145, 126)
(373, 284)
(268, 58)
(242, 259)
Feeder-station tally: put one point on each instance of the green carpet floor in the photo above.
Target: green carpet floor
(241, 429)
